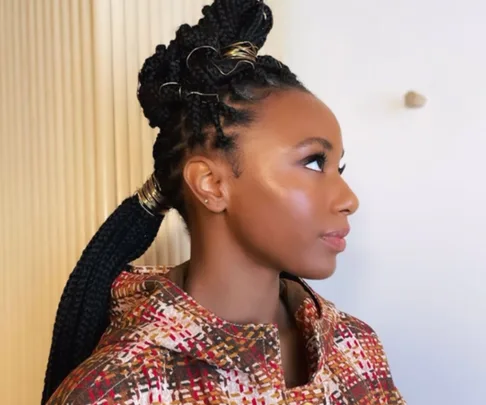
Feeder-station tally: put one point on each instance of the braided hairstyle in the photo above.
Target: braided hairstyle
(191, 93)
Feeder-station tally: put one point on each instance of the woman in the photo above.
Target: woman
(251, 160)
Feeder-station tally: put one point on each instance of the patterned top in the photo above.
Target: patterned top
(162, 347)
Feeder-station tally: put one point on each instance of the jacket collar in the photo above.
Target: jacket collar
(149, 304)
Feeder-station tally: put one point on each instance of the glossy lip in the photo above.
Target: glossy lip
(340, 233)
(335, 239)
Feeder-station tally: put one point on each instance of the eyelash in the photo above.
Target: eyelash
(321, 160)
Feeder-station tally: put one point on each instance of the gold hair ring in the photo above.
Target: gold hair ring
(150, 197)
(242, 52)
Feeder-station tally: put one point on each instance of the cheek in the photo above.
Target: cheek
(278, 206)
(293, 193)
(278, 220)
(300, 203)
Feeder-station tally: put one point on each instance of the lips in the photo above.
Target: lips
(335, 239)
(340, 233)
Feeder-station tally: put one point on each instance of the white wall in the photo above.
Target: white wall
(415, 268)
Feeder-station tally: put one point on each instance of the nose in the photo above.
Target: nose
(347, 202)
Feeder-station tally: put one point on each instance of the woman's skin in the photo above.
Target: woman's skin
(276, 216)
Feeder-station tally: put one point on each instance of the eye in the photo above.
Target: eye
(316, 162)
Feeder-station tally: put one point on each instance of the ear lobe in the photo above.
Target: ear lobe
(205, 178)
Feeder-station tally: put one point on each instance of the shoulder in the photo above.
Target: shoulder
(356, 328)
(357, 348)
(358, 339)
(117, 372)
(346, 326)
(350, 333)
(124, 364)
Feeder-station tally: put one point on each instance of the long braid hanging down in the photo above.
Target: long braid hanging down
(184, 90)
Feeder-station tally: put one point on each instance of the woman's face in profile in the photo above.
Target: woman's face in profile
(289, 207)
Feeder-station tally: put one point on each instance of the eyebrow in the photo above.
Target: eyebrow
(313, 140)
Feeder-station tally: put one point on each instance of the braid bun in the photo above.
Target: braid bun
(167, 81)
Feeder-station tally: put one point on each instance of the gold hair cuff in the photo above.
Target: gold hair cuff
(151, 198)
(241, 51)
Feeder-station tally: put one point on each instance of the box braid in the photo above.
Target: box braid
(189, 92)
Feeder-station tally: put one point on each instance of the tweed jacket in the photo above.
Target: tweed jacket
(162, 347)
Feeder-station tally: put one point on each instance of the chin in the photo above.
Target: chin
(320, 274)
(322, 271)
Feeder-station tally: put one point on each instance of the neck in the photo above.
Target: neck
(223, 279)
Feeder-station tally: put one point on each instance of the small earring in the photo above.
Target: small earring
(206, 201)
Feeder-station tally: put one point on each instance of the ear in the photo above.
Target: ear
(206, 179)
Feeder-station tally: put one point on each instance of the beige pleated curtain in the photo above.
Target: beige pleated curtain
(73, 144)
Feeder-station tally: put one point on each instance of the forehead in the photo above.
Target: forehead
(288, 117)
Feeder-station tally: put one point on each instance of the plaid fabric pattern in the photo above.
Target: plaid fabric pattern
(162, 347)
